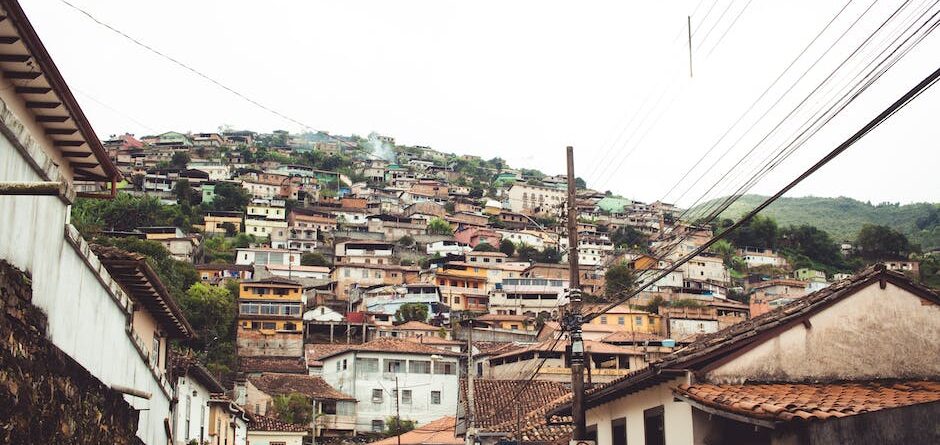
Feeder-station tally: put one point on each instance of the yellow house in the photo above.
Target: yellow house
(463, 287)
(625, 318)
(227, 421)
(508, 322)
(215, 221)
(270, 317)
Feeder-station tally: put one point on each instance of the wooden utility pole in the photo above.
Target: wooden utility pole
(690, 44)
(573, 318)
(470, 435)
(397, 413)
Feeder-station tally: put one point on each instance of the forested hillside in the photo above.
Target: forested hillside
(843, 217)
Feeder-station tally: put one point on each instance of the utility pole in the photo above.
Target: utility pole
(573, 317)
(690, 44)
(470, 435)
(397, 413)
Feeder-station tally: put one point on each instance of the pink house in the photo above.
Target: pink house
(473, 235)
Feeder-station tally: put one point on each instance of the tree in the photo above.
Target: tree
(760, 232)
(725, 250)
(211, 311)
(877, 242)
(395, 426)
(411, 312)
(618, 279)
(230, 228)
(185, 193)
(484, 247)
(231, 197)
(549, 255)
(527, 253)
(626, 236)
(507, 247)
(438, 226)
(313, 259)
(811, 242)
(179, 159)
(654, 304)
(579, 183)
(293, 408)
(406, 241)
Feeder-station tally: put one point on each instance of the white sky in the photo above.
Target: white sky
(519, 80)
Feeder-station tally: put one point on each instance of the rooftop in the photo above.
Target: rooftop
(311, 386)
(393, 345)
(256, 364)
(263, 423)
(436, 432)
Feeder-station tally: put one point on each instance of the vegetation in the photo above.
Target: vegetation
(211, 311)
(877, 242)
(484, 247)
(411, 312)
(314, 259)
(395, 426)
(618, 279)
(628, 237)
(438, 226)
(179, 159)
(293, 408)
(507, 247)
(843, 217)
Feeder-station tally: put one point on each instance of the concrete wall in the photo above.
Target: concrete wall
(87, 311)
(677, 415)
(45, 396)
(872, 334)
(196, 407)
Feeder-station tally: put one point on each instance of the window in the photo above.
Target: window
(378, 426)
(456, 300)
(447, 368)
(155, 354)
(621, 321)
(639, 321)
(268, 325)
(419, 367)
(344, 364)
(603, 319)
(392, 365)
(618, 430)
(338, 365)
(376, 396)
(653, 428)
(290, 326)
(435, 397)
(406, 396)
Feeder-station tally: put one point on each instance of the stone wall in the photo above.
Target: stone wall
(45, 396)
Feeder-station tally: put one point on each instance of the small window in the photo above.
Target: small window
(435, 397)
(419, 367)
(639, 321)
(378, 426)
(406, 396)
(603, 319)
(376, 396)
(621, 320)
(394, 365)
(445, 368)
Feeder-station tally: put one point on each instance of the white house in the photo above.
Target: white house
(263, 256)
(447, 247)
(194, 388)
(528, 199)
(323, 313)
(87, 311)
(425, 378)
(264, 430)
(852, 363)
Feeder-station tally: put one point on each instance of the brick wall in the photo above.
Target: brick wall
(45, 396)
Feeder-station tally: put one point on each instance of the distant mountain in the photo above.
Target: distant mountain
(843, 217)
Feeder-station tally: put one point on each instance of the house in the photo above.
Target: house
(195, 387)
(228, 422)
(351, 278)
(263, 256)
(426, 294)
(822, 369)
(535, 199)
(510, 322)
(426, 379)
(806, 274)
(606, 362)
(220, 221)
(625, 318)
(447, 247)
(908, 267)
(755, 257)
(269, 318)
(505, 410)
(474, 235)
(270, 431)
(435, 432)
(335, 412)
(410, 329)
(363, 252)
(394, 228)
(529, 296)
(266, 218)
(182, 247)
(63, 307)
(218, 274)
(462, 286)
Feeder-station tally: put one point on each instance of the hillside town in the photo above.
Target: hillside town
(232, 286)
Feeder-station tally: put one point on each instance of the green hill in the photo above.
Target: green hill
(843, 217)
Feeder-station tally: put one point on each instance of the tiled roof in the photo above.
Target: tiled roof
(255, 364)
(263, 423)
(183, 365)
(436, 432)
(632, 336)
(273, 280)
(395, 345)
(501, 317)
(308, 385)
(786, 402)
(496, 401)
(314, 352)
(411, 326)
(590, 346)
(716, 345)
(494, 348)
(434, 341)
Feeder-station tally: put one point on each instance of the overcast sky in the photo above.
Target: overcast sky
(519, 80)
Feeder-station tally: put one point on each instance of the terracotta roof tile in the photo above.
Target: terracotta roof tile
(390, 344)
(632, 336)
(314, 352)
(256, 364)
(590, 346)
(495, 402)
(436, 432)
(494, 348)
(810, 401)
(308, 385)
(263, 423)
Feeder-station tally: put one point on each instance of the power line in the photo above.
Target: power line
(195, 71)
(912, 94)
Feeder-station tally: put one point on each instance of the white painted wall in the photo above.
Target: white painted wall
(194, 401)
(677, 415)
(421, 385)
(87, 311)
(269, 437)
